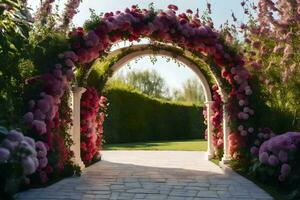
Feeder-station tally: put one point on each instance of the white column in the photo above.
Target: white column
(226, 130)
(75, 129)
(210, 149)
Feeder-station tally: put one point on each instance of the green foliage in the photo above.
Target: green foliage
(93, 22)
(99, 75)
(271, 188)
(134, 117)
(46, 45)
(148, 82)
(266, 114)
(192, 92)
(25, 51)
(14, 66)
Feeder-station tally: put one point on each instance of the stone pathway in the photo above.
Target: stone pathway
(174, 175)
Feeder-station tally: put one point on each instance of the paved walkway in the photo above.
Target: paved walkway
(174, 175)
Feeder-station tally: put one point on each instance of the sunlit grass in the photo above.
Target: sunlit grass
(188, 145)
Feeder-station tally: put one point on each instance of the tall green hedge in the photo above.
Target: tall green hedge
(135, 117)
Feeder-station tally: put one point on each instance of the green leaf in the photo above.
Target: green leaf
(13, 4)
(3, 130)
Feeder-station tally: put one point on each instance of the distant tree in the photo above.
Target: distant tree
(148, 82)
(177, 95)
(191, 91)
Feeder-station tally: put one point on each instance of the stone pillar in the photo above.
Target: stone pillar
(226, 130)
(75, 129)
(210, 149)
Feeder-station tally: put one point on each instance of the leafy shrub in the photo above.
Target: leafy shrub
(18, 159)
(134, 117)
(277, 161)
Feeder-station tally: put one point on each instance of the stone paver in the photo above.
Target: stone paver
(151, 175)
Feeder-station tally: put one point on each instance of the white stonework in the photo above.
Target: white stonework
(210, 149)
(75, 129)
(226, 130)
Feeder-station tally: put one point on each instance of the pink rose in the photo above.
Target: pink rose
(264, 158)
(39, 126)
(43, 162)
(28, 117)
(273, 160)
(43, 105)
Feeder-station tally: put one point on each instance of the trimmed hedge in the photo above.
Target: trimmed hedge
(135, 117)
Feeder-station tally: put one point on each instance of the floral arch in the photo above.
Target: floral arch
(118, 58)
(184, 31)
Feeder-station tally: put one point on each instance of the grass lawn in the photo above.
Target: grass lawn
(187, 145)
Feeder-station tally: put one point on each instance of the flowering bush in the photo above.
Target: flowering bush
(277, 160)
(277, 153)
(69, 12)
(92, 117)
(263, 135)
(272, 38)
(20, 156)
(44, 121)
(217, 109)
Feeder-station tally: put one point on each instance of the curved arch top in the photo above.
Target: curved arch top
(142, 50)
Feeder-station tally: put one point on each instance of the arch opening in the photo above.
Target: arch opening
(120, 57)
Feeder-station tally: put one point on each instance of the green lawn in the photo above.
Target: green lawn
(187, 145)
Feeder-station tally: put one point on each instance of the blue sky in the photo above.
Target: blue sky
(174, 75)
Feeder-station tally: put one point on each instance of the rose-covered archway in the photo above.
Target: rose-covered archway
(185, 32)
(99, 74)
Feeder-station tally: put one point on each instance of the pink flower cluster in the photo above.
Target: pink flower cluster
(275, 152)
(217, 117)
(17, 148)
(91, 124)
(263, 135)
(277, 22)
(69, 12)
(236, 141)
(44, 11)
(43, 120)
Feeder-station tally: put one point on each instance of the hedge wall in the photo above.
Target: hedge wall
(134, 117)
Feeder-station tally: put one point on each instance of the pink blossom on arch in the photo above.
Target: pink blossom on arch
(39, 126)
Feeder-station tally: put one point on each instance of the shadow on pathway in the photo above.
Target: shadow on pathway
(151, 175)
